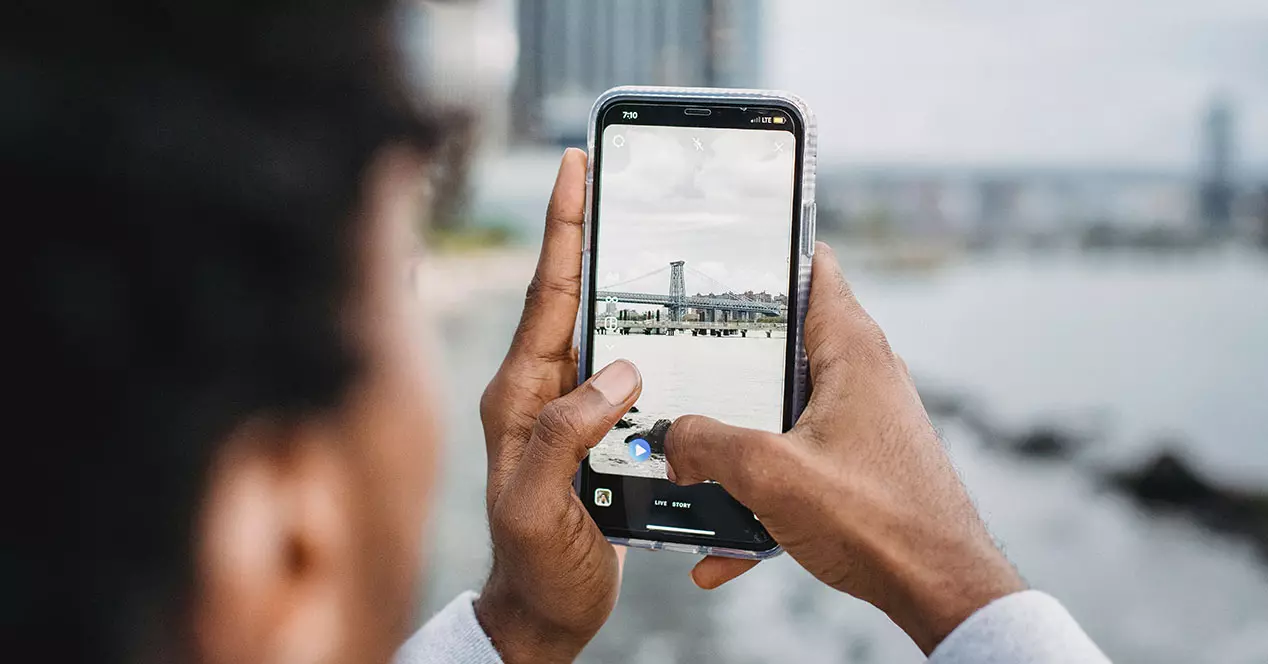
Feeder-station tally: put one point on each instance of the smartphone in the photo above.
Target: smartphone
(699, 235)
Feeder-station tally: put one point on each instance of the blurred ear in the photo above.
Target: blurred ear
(273, 548)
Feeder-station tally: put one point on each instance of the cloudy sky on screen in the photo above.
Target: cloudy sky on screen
(726, 210)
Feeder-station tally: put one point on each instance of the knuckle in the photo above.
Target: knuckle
(501, 522)
(530, 352)
(557, 216)
(868, 346)
(854, 338)
(542, 286)
(818, 325)
(505, 413)
(558, 419)
(489, 401)
(825, 358)
(681, 437)
(514, 525)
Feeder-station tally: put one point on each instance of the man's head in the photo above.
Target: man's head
(226, 437)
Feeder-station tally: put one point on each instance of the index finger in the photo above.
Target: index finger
(838, 330)
(550, 306)
(713, 571)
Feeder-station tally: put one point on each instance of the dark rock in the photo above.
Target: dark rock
(1169, 483)
(634, 409)
(1167, 480)
(1047, 442)
(654, 436)
(942, 404)
(624, 424)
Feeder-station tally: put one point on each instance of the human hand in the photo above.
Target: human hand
(555, 578)
(860, 492)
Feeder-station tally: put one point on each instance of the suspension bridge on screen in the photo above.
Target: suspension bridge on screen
(712, 315)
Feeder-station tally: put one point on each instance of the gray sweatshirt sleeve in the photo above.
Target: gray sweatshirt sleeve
(1028, 627)
(451, 636)
(1023, 628)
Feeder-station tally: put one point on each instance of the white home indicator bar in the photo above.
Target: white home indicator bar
(685, 531)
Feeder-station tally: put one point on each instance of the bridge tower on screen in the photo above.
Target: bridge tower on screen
(677, 291)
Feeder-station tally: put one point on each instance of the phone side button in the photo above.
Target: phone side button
(809, 216)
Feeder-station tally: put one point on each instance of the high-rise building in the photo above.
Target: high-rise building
(572, 50)
(1216, 189)
(738, 55)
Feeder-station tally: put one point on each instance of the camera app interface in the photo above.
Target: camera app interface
(692, 270)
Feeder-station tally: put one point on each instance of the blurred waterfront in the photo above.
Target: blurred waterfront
(1059, 215)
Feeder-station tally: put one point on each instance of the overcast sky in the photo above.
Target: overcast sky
(1079, 82)
(724, 207)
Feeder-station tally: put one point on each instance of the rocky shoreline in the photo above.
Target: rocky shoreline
(1166, 483)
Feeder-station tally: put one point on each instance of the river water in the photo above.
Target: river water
(1154, 352)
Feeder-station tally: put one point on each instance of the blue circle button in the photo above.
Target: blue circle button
(640, 450)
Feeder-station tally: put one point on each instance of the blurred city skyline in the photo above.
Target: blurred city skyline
(982, 120)
(1121, 84)
(1118, 82)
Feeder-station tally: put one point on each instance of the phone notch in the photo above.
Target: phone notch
(698, 112)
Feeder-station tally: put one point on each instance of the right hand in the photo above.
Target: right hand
(860, 492)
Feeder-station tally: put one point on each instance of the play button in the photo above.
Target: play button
(640, 450)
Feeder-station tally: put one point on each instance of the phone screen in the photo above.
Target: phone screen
(692, 279)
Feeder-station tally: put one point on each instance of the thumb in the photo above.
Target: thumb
(748, 463)
(569, 426)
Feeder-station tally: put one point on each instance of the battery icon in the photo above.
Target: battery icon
(779, 119)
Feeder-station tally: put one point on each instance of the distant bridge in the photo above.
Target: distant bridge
(693, 302)
(677, 302)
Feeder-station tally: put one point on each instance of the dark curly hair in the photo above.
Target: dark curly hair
(183, 178)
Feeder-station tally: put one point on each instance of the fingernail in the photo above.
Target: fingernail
(669, 472)
(617, 381)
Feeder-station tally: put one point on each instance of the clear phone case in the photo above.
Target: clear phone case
(806, 222)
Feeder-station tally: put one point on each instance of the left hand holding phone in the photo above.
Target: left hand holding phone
(555, 579)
